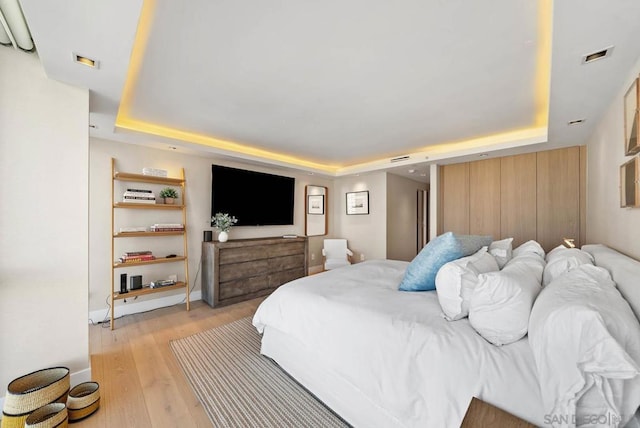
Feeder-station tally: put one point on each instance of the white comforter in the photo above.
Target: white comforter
(396, 348)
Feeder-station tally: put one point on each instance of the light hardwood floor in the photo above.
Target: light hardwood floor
(141, 384)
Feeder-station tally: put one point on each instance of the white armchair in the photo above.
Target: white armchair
(336, 254)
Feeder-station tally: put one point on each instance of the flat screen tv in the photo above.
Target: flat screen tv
(254, 198)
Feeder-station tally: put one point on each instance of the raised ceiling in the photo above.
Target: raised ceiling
(340, 86)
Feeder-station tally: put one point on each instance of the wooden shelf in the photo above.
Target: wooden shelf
(151, 213)
(148, 290)
(139, 234)
(140, 178)
(150, 262)
(147, 206)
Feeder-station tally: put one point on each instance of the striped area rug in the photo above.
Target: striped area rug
(240, 388)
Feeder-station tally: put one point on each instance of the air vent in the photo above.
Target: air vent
(400, 159)
(604, 53)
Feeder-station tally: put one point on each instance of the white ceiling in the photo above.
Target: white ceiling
(341, 84)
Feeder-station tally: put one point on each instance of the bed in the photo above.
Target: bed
(383, 358)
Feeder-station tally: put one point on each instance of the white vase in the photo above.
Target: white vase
(223, 236)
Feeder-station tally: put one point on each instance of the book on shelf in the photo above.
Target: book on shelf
(141, 258)
(144, 198)
(137, 253)
(133, 229)
(138, 201)
(138, 195)
(162, 283)
(139, 191)
(167, 227)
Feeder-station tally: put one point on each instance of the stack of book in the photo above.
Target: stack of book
(139, 196)
(167, 227)
(156, 172)
(161, 283)
(136, 256)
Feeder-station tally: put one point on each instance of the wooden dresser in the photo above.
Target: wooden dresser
(243, 269)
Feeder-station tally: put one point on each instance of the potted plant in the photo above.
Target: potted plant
(223, 222)
(169, 195)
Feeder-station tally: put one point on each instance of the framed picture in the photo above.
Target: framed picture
(358, 202)
(629, 183)
(631, 117)
(315, 204)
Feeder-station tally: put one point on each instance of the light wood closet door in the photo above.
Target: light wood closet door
(484, 198)
(454, 198)
(518, 210)
(558, 196)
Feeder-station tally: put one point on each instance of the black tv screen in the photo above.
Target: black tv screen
(254, 198)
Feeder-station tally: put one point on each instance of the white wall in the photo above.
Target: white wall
(43, 221)
(366, 234)
(402, 226)
(607, 223)
(132, 158)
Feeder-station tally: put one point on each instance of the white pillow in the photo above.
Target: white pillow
(501, 303)
(529, 247)
(586, 344)
(561, 260)
(502, 251)
(456, 280)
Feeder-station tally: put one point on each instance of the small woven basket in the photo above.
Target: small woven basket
(83, 400)
(32, 391)
(52, 415)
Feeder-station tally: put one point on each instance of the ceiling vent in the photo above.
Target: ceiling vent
(400, 158)
(604, 53)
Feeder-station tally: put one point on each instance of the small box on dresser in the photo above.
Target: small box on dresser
(244, 269)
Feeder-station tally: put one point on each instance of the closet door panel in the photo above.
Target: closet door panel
(454, 198)
(484, 198)
(518, 212)
(558, 190)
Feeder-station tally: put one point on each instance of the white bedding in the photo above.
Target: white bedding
(397, 350)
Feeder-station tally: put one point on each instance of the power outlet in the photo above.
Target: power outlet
(361, 257)
(313, 256)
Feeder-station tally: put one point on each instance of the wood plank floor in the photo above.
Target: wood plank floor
(141, 384)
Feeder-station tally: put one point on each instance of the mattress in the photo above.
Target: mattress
(382, 357)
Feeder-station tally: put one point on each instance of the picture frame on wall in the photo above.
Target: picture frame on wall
(631, 119)
(358, 203)
(630, 184)
(315, 204)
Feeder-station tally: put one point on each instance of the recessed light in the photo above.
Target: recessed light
(310, 173)
(80, 59)
(173, 147)
(483, 155)
(423, 175)
(575, 122)
(92, 126)
(411, 171)
(604, 53)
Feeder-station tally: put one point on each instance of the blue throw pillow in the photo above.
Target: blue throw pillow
(421, 272)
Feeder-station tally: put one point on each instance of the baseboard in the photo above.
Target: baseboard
(133, 307)
(74, 379)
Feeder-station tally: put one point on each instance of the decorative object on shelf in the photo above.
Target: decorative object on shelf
(631, 118)
(358, 202)
(223, 222)
(169, 195)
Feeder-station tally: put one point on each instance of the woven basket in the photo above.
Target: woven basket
(83, 400)
(52, 415)
(32, 391)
